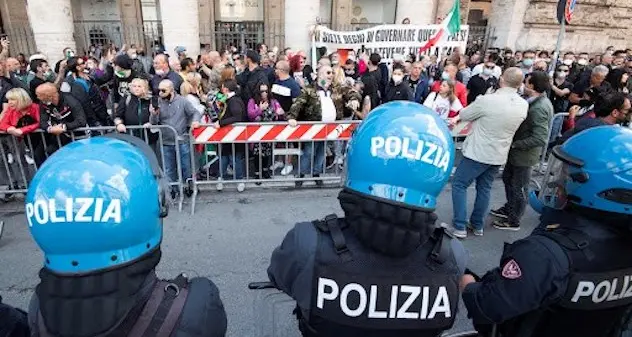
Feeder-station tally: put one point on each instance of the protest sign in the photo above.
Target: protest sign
(390, 40)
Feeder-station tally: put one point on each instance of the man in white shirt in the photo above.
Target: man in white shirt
(496, 118)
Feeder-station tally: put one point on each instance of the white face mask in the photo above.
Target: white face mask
(160, 72)
(487, 72)
(560, 75)
(397, 79)
(582, 62)
(568, 62)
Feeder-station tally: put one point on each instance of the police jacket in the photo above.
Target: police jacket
(128, 301)
(344, 287)
(571, 277)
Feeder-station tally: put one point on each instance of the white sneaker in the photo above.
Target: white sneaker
(29, 160)
(241, 187)
(459, 234)
(10, 158)
(277, 165)
(337, 161)
(220, 185)
(287, 169)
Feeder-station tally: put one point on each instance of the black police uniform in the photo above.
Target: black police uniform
(348, 284)
(13, 321)
(126, 301)
(571, 277)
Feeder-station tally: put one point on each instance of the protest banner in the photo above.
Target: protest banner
(390, 40)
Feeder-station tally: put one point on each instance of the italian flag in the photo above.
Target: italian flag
(449, 26)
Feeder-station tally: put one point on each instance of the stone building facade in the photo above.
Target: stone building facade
(50, 25)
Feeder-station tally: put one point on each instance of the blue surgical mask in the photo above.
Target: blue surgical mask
(527, 62)
(445, 76)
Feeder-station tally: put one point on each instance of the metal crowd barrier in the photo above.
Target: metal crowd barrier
(270, 153)
(555, 131)
(20, 157)
(273, 153)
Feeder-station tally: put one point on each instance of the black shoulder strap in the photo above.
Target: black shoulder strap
(442, 248)
(163, 310)
(570, 239)
(331, 225)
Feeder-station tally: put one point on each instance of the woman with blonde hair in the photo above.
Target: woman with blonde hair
(134, 109)
(21, 118)
(444, 103)
(189, 91)
(22, 115)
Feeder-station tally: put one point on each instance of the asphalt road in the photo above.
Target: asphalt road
(230, 239)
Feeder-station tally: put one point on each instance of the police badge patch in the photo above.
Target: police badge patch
(511, 270)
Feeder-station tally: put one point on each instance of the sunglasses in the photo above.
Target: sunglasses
(488, 67)
(163, 90)
(563, 71)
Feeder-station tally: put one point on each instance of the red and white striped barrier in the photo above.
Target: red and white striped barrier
(255, 133)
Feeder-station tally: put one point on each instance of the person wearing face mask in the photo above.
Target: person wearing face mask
(561, 88)
(164, 72)
(321, 102)
(123, 76)
(449, 73)
(579, 68)
(481, 83)
(528, 59)
(398, 89)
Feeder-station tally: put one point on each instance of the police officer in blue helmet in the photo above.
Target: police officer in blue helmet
(96, 209)
(384, 269)
(573, 275)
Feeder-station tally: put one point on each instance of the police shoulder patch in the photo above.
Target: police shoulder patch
(511, 270)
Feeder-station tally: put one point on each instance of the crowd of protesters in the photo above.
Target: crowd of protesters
(508, 95)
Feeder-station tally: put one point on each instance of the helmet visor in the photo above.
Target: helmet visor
(553, 193)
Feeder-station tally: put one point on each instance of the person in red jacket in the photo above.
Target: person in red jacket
(460, 90)
(22, 115)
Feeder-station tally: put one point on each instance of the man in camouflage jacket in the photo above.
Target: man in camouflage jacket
(315, 103)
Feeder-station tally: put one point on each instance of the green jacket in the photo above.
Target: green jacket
(307, 104)
(533, 133)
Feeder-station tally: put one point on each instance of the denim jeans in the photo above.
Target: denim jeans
(237, 163)
(171, 165)
(516, 180)
(315, 150)
(468, 171)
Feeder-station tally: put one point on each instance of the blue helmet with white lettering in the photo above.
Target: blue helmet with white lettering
(402, 152)
(97, 203)
(592, 169)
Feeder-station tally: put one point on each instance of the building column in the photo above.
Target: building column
(273, 23)
(444, 7)
(207, 22)
(419, 12)
(506, 22)
(180, 25)
(132, 22)
(16, 25)
(300, 18)
(341, 15)
(54, 33)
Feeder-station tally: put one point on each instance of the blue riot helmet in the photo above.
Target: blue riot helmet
(402, 152)
(97, 203)
(592, 169)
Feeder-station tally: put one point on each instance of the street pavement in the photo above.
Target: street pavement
(229, 239)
